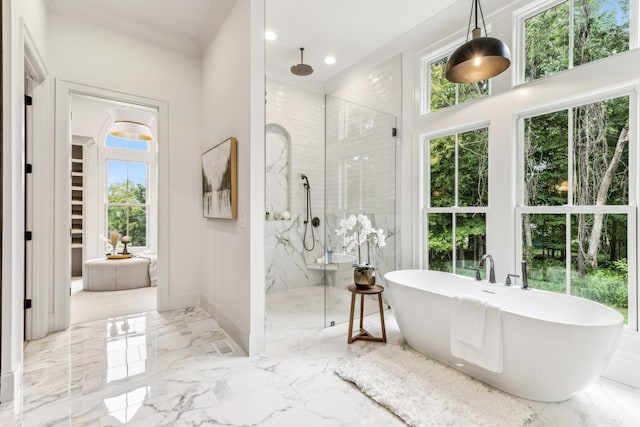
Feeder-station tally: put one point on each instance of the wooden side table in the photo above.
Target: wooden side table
(363, 334)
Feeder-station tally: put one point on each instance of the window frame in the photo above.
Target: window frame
(425, 75)
(541, 6)
(456, 209)
(144, 205)
(569, 209)
(124, 154)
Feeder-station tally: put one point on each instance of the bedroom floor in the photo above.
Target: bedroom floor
(87, 306)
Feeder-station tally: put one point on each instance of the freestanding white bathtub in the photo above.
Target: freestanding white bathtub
(553, 345)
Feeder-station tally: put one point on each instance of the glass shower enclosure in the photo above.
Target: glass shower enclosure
(360, 179)
(325, 158)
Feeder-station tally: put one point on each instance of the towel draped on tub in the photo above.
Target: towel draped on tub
(476, 332)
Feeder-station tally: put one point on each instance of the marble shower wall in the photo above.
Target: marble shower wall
(360, 167)
(301, 114)
(362, 160)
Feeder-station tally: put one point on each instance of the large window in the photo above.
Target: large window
(572, 33)
(127, 200)
(129, 183)
(456, 200)
(576, 218)
(442, 93)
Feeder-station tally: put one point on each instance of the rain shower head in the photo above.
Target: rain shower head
(301, 69)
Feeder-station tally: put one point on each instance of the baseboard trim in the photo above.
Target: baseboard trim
(8, 385)
(239, 335)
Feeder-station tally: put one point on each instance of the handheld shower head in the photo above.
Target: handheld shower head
(306, 180)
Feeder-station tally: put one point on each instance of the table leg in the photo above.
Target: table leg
(353, 304)
(384, 330)
(361, 310)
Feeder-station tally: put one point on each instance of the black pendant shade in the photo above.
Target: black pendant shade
(478, 59)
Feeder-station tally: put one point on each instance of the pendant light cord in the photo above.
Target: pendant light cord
(469, 23)
(477, 6)
(486, 34)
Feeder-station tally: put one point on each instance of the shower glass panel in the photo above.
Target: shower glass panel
(360, 178)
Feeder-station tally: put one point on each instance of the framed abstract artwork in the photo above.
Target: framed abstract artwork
(220, 181)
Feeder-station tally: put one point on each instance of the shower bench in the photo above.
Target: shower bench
(101, 274)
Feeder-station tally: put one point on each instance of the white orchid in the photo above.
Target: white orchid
(364, 232)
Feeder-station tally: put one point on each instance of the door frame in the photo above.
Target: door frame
(28, 61)
(62, 219)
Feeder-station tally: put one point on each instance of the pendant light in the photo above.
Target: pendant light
(130, 123)
(479, 58)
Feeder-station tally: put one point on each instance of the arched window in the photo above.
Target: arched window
(129, 184)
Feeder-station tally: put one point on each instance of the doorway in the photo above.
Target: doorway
(113, 194)
(67, 123)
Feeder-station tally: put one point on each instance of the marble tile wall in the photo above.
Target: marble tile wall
(301, 114)
(277, 171)
(361, 165)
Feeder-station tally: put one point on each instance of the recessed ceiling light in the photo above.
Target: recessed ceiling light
(270, 35)
(330, 60)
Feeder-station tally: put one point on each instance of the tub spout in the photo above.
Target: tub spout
(492, 271)
(525, 278)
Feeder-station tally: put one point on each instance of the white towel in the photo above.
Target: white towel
(476, 332)
(467, 320)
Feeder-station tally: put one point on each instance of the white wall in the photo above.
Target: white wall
(22, 23)
(94, 56)
(233, 105)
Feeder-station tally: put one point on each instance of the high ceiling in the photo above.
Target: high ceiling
(185, 25)
(349, 30)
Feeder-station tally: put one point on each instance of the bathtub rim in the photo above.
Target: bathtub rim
(389, 277)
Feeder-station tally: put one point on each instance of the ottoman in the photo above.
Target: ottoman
(101, 274)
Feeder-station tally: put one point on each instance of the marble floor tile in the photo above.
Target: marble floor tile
(180, 368)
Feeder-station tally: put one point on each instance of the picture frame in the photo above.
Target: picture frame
(220, 181)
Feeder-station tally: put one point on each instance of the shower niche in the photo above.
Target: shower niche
(277, 172)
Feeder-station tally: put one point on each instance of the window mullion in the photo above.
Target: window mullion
(127, 210)
(454, 255)
(571, 32)
(427, 176)
(570, 156)
(455, 195)
(568, 253)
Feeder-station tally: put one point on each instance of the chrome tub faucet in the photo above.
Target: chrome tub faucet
(492, 271)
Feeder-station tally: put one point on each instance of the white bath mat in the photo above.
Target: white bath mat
(423, 392)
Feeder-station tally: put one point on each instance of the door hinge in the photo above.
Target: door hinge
(28, 168)
(394, 132)
(27, 304)
(28, 235)
(28, 100)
